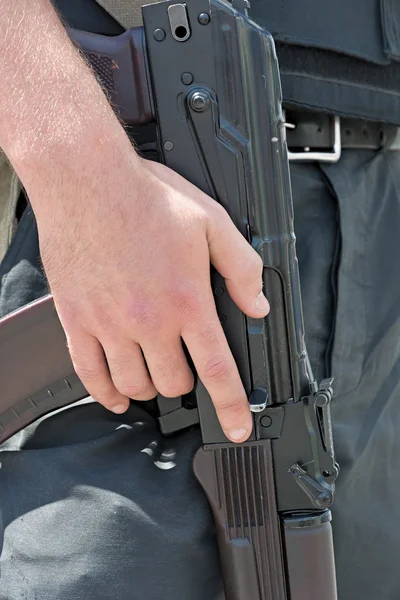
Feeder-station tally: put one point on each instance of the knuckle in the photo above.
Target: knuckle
(206, 334)
(173, 389)
(217, 369)
(258, 262)
(233, 406)
(218, 219)
(136, 391)
(107, 395)
(185, 302)
(143, 315)
(119, 367)
(86, 373)
(97, 384)
(219, 213)
(104, 320)
(254, 266)
(104, 393)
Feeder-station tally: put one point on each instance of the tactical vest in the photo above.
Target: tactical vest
(341, 57)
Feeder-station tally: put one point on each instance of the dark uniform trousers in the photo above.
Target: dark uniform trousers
(86, 513)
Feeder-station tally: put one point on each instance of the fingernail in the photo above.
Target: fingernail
(262, 303)
(237, 434)
(119, 408)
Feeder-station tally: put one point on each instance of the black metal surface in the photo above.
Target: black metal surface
(214, 141)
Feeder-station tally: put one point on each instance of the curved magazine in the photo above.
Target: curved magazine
(36, 371)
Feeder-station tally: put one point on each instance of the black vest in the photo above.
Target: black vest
(340, 56)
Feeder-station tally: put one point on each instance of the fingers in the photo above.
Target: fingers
(115, 370)
(168, 367)
(121, 371)
(90, 365)
(128, 369)
(239, 264)
(216, 368)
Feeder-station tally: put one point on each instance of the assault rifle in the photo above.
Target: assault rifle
(207, 77)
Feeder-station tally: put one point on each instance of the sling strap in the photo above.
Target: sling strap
(127, 13)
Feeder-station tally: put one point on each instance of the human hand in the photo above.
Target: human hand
(128, 262)
(126, 244)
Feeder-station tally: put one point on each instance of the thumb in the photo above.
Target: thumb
(239, 264)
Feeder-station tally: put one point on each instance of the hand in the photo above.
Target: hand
(126, 244)
(128, 262)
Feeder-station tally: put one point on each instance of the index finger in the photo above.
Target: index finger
(216, 367)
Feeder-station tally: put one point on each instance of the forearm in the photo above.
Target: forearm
(53, 113)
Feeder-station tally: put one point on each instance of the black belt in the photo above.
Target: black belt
(313, 136)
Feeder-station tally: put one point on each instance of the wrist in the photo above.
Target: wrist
(75, 127)
(54, 117)
(68, 177)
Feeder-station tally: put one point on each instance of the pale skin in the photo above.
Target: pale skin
(126, 243)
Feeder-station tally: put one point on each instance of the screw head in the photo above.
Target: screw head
(159, 35)
(187, 78)
(266, 421)
(199, 101)
(168, 146)
(324, 499)
(204, 18)
(222, 319)
(219, 291)
(322, 400)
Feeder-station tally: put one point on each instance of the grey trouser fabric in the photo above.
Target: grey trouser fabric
(87, 515)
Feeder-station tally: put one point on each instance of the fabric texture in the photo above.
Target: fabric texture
(21, 273)
(341, 57)
(86, 513)
(351, 290)
(10, 189)
(391, 27)
(87, 15)
(328, 25)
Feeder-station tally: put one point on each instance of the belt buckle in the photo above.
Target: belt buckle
(319, 156)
